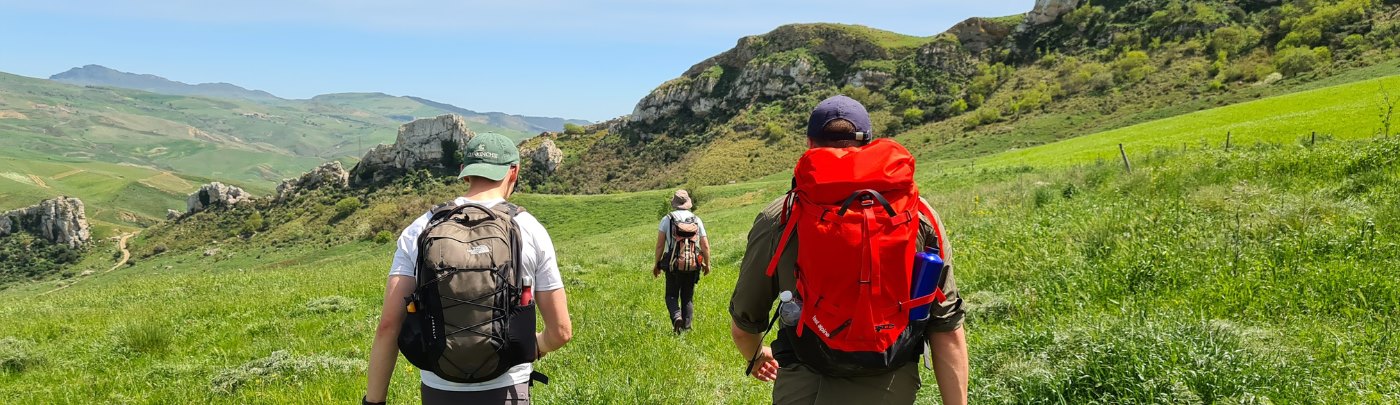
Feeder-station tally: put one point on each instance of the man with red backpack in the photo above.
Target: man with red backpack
(862, 267)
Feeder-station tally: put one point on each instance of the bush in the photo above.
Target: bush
(1133, 67)
(252, 224)
(346, 206)
(1234, 40)
(913, 115)
(383, 237)
(573, 129)
(1297, 60)
(983, 116)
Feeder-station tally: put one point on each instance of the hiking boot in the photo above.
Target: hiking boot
(678, 325)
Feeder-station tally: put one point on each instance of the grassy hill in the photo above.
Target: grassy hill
(1217, 276)
(982, 87)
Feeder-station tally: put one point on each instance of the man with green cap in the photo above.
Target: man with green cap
(491, 170)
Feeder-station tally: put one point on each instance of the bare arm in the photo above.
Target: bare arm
(660, 245)
(558, 328)
(950, 365)
(385, 350)
(765, 368)
(705, 252)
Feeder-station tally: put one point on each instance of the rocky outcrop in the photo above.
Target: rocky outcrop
(171, 215)
(547, 156)
(329, 174)
(215, 195)
(61, 220)
(1047, 11)
(421, 144)
(979, 34)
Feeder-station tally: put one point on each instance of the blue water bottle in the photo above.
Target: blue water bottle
(928, 270)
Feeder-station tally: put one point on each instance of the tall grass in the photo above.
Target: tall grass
(1257, 275)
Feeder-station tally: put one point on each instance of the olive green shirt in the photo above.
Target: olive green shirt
(754, 293)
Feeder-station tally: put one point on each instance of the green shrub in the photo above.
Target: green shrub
(1234, 40)
(252, 224)
(573, 129)
(1294, 61)
(1133, 67)
(383, 237)
(346, 206)
(913, 115)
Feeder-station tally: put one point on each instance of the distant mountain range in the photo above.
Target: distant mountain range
(404, 108)
(98, 75)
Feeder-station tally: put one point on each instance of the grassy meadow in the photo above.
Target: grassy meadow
(1256, 275)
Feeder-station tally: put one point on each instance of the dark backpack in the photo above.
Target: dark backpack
(683, 250)
(472, 316)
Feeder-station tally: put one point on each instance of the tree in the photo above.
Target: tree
(1296, 60)
(573, 129)
(913, 115)
(346, 206)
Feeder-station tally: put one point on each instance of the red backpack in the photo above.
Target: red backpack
(856, 211)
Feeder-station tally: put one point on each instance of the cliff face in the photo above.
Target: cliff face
(429, 143)
(61, 220)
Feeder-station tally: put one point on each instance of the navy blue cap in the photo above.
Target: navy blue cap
(839, 107)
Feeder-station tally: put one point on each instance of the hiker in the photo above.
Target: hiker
(852, 325)
(483, 232)
(683, 252)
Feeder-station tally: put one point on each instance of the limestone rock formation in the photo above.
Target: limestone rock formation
(171, 215)
(1047, 11)
(980, 34)
(547, 156)
(213, 195)
(329, 174)
(421, 144)
(61, 220)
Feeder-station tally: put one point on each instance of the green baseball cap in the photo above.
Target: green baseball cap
(489, 155)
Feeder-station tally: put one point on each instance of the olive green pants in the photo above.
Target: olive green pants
(799, 384)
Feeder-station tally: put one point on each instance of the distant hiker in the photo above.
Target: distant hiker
(466, 279)
(683, 252)
(842, 250)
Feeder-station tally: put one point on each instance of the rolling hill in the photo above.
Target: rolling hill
(1067, 68)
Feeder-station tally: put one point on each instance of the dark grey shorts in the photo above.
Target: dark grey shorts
(515, 394)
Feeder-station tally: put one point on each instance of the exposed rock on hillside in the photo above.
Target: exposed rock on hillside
(329, 174)
(547, 156)
(61, 220)
(213, 195)
(429, 143)
(1047, 11)
(980, 34)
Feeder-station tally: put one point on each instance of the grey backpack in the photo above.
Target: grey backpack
(472, 316)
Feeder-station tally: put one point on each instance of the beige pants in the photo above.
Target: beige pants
(799, 384)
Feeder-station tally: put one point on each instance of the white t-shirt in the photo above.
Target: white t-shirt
(537, 253)
(665, 226)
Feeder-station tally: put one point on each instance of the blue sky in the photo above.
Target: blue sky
(591, 60)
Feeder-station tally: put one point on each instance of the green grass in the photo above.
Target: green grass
(1210, 276)
(1346, 111)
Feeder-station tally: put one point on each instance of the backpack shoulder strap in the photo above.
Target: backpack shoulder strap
(936, 242)
(788, 219)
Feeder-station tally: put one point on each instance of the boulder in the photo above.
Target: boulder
(171, 215)
(421, 144)
(214, 195)
(547, 156)
(1047, 11)
(61, 220)
(979, 34)
(329, 174)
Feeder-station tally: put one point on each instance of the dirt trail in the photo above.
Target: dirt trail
(38, 181)
(126, 255)
(60, 176)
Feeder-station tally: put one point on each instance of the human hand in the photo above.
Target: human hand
(765, 368)
(655, 272)
(705, 269)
